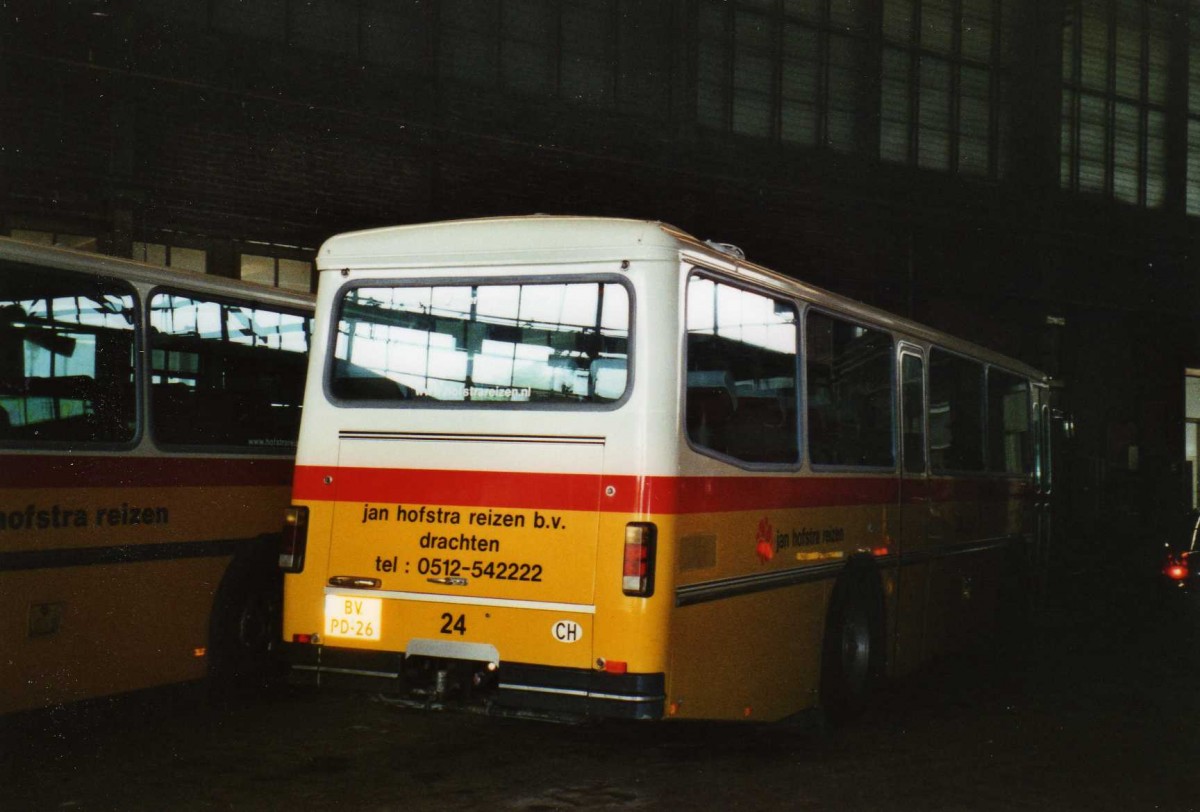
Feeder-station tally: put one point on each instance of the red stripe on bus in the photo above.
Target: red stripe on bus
(629, 494)
(81, 471)
(409, 486)
(709, 494)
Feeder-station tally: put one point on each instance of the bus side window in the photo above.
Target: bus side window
(956, 439)
(66, 357)
(912, 383)
(225, 374)
(850, 396)
(741, 373)
(1009, 437)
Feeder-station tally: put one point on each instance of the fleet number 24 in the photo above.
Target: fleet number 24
(454, 625)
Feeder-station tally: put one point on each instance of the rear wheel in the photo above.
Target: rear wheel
(852, 661)
(244, 635)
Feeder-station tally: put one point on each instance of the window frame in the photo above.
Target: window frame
(799, 424)
(934, 470)
(1028, 455)
(895, 467)
(905, 349)
(559, 278)
(138, 328)
(147, 373)
(1151, 117)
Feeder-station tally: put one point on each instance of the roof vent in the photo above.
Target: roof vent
(726, 248)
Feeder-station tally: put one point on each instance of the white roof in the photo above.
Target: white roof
(495, 240)
(533, 239)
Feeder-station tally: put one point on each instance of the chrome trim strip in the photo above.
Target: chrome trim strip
(535, 689)
(441, 437)
(953, 551)
(357, 672)
(706, 591)
(628, 698)
(506, 603)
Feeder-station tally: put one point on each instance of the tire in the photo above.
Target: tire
(243, 651)
(852, 658)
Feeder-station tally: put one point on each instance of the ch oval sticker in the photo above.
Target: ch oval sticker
(566, 631)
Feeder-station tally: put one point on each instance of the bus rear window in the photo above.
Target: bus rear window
(534, 343)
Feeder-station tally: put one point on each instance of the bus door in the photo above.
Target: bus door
(488, 566)
(915, 504)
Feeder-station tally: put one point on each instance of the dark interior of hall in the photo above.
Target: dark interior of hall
(1023, 173)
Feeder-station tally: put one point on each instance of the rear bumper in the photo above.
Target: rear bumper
(523, 689)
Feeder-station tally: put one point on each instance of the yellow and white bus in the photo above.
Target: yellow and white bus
(597, 467)
(148, 421)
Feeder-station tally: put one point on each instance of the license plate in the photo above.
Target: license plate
(356, 618)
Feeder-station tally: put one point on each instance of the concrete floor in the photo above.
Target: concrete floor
(1096, 710)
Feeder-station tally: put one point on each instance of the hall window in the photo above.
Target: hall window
(1115, 60)
(1193, 113)
(166, 255)
(943, 74)
(792, 71)
(77, 242)
(278, 272)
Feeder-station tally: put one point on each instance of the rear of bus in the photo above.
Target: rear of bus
(470, 520)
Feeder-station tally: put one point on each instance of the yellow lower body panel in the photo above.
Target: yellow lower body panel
(80, 632)
(754, 656)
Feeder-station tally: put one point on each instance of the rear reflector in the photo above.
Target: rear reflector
(616, 667)
(294, 539)
(637, 574)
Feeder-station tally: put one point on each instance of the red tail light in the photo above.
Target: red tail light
(637, 575)
(295, 539)
(1177, 571)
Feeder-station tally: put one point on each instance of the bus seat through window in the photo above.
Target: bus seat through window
(761, 429)
(711, 404)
